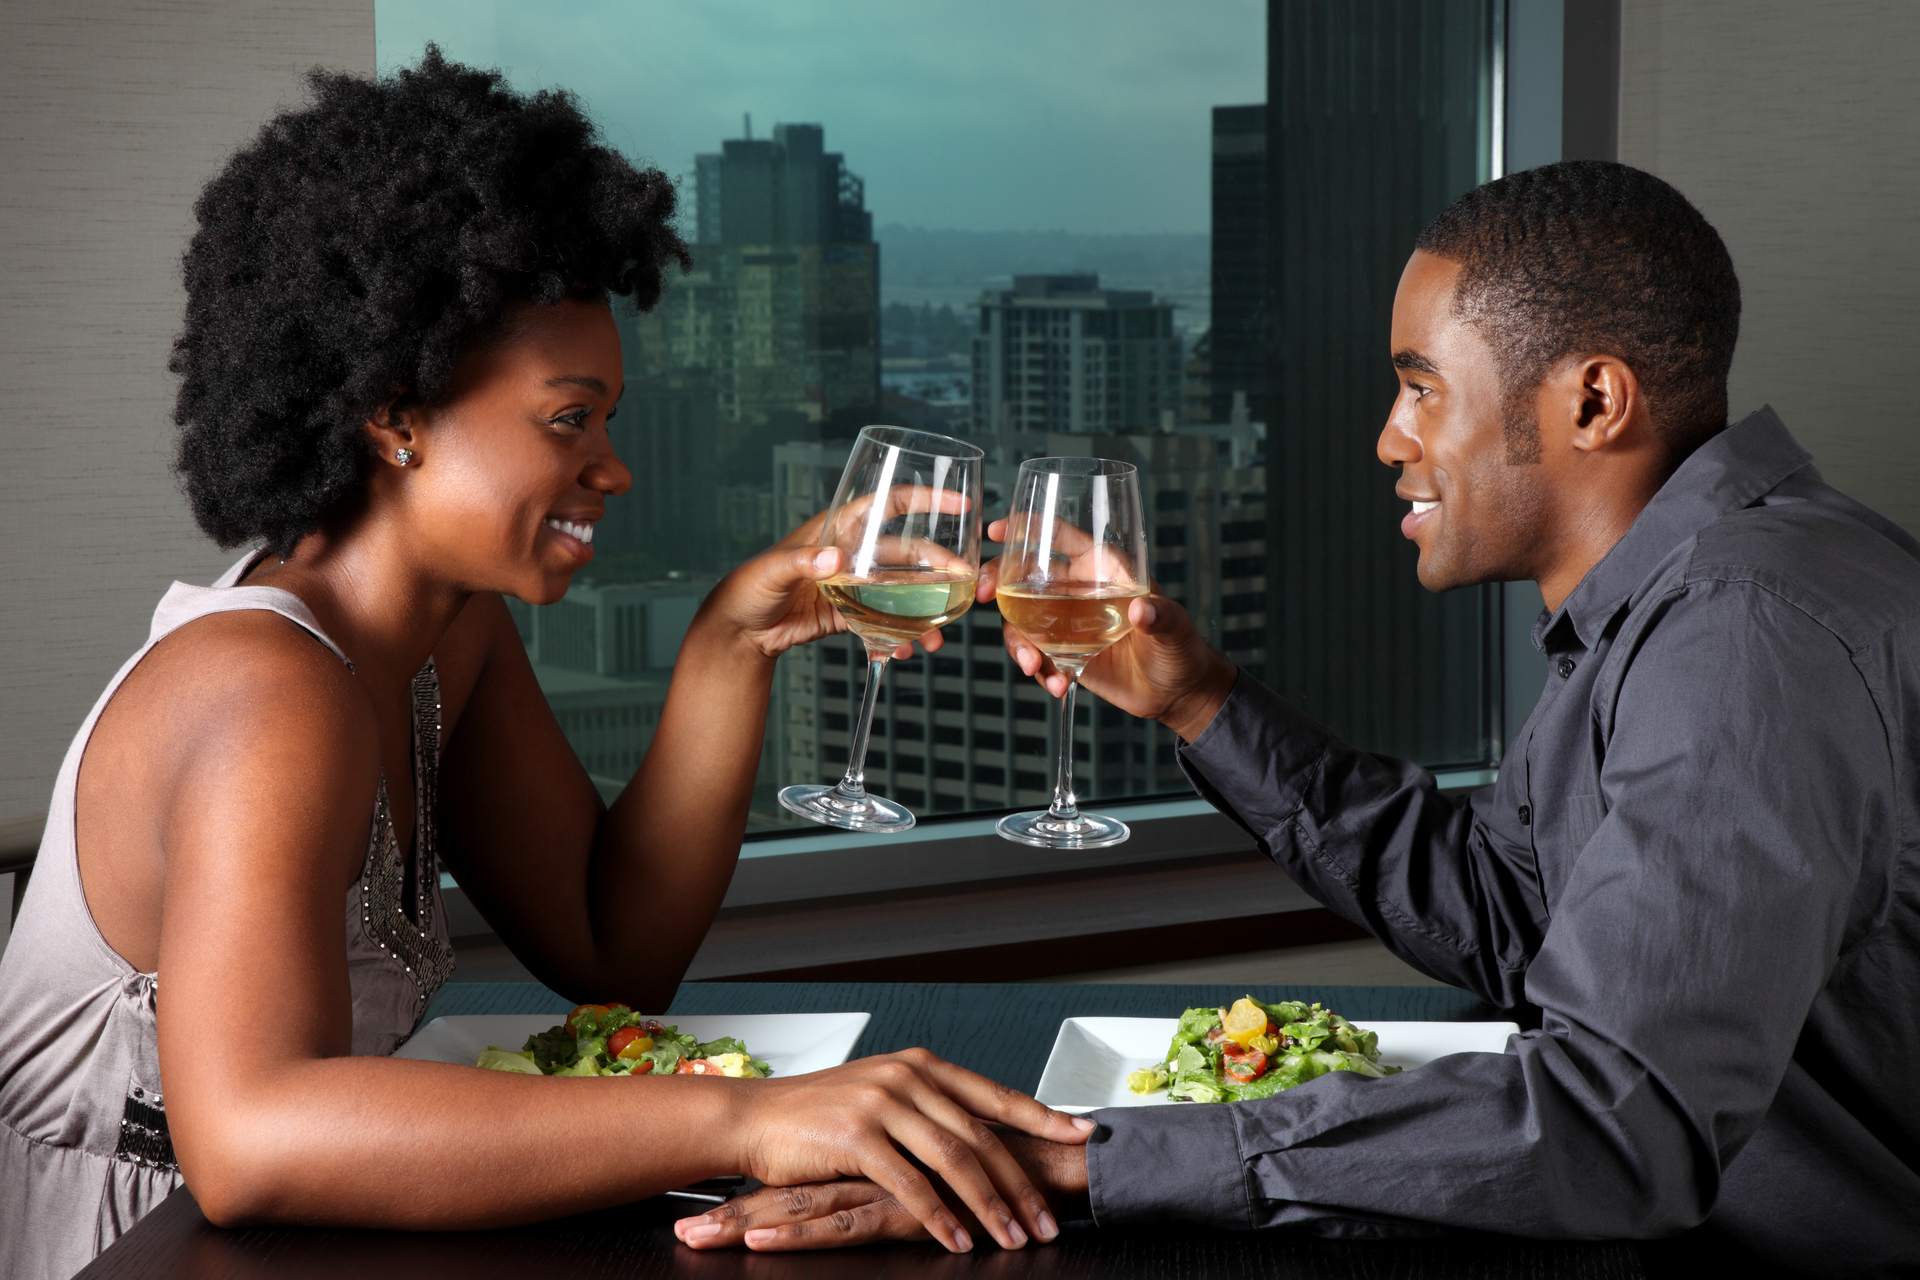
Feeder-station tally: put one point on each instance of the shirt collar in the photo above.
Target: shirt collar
(1726, 473)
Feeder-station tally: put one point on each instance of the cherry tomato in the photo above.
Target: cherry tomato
(628, 1042)
(698, 1067)
(642, 1067)
(597, 1010)
(1244, 1066)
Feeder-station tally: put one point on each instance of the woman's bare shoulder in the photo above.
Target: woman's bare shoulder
(233, 680)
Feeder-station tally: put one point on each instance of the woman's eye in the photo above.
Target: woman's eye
(575, 418)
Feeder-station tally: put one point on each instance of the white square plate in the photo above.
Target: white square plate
(791, 1043)
(1091, 1057)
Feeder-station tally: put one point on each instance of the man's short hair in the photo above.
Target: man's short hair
(1589, 256)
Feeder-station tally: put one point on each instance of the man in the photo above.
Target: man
(1698, 863)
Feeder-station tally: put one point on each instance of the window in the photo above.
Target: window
(854, 266)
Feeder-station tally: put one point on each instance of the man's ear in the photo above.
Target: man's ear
(390, 429)
(1603, 399)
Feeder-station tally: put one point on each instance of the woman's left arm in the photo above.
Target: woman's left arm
(612, 903)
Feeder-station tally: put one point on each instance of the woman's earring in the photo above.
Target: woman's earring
(403, 456)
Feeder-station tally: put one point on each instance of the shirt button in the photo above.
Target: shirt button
(1566, 667)
(1526, 815)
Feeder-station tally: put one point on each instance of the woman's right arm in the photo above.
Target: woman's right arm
(264, 830)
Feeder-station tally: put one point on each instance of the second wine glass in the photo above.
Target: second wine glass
(1076, 559)
(906, 519)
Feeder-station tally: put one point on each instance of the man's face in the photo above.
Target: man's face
(1475, 517)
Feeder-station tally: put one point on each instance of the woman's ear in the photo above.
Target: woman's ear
(390, 430)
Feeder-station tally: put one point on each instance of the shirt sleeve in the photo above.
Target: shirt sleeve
(1374, 839)
(1746, 769)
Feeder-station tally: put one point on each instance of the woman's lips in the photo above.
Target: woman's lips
(1417, 517)
(575, 535)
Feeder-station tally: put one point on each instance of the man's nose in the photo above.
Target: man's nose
(1397, 445)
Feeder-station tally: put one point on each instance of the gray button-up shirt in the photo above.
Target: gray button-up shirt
(1699, 864)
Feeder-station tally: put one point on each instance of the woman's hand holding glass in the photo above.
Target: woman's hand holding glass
(773, 601)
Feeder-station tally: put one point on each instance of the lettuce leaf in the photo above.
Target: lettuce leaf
(497, 1059)
(552, 1049)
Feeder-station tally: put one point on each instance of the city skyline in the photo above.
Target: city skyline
(918, 94)
(744, 385)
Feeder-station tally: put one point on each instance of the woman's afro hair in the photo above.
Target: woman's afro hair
(357, 248)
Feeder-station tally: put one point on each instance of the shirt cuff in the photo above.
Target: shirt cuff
(1256, 758)
(1156, 1164)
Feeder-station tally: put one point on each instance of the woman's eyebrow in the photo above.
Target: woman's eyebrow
(585, 380)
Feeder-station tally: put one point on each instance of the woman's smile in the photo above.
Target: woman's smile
(576, 536)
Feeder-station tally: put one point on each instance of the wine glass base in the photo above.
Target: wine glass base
(1043, 831)
(827, 806)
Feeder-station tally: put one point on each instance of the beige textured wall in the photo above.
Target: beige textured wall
(111, 117)
(1795, 126)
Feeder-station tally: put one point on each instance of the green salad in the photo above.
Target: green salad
(1254, 1050)
(613, 1040)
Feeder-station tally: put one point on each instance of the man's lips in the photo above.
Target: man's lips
(1422, 510)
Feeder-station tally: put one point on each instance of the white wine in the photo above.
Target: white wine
(892, 612)
(1070, 628)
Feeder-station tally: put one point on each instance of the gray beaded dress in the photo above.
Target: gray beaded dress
(84, 1149)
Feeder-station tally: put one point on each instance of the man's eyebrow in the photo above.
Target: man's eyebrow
(1415, 361)
(586, 380)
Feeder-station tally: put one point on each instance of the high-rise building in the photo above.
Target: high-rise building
(603, 656)
(1237, 341)
(1377, 127)
(1061, 354)
(666, 431)
(782, 309)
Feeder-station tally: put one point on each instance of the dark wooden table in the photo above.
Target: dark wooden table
(1001, 1030)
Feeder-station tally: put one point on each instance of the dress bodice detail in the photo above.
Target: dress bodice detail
(397, 895)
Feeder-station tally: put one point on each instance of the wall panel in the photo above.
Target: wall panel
(111, 117)
(1796, 129)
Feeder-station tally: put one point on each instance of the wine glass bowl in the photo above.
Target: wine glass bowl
(906, 519)
(1076, 560)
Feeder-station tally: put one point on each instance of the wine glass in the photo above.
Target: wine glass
(1076, 559)
(906, 518)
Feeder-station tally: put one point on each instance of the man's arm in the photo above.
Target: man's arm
(1745, 773)
(1374, 839)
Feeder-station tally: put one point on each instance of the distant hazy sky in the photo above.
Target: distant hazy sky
(981, 115)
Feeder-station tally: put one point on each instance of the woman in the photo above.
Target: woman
(396, 373)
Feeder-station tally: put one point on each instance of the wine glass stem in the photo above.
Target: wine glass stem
(854, 785)
(1065, 808)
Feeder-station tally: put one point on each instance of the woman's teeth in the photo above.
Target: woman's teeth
(580, 529)
(1421, 508)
